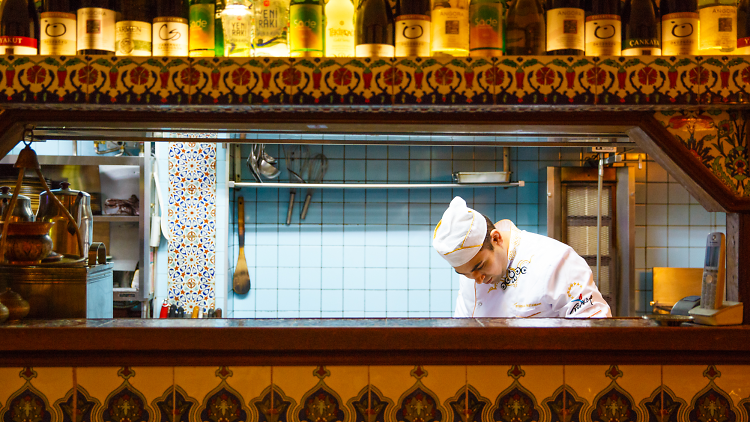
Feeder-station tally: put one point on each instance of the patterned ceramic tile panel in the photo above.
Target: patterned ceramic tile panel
(719, 86)
(192, 223)
(739, 80)
(133, 81)
(650, 81)
(330, 82)
(438, 393)
(442, 81)
(37, 80)
(240, 81)
(715, 138)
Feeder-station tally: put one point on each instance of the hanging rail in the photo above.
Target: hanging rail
(275, 185)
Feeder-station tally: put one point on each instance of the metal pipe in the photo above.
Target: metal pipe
(232, 184)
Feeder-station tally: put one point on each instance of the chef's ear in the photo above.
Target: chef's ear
(497, 240)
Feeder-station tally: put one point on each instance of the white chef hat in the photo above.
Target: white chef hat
(460, 234)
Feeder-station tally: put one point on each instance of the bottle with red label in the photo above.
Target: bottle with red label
(743, 28)
(19, 28)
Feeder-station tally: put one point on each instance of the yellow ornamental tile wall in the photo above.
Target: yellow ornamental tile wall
(716, 138)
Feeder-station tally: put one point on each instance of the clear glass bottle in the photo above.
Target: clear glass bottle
(272, 28)
(239, 28)
(450, 28)
(339, 40)
(718, 26)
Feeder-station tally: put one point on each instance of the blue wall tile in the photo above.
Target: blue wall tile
(369, 253)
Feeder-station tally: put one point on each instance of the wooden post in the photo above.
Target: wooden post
(738, 262)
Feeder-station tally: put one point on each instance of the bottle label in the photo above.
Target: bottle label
(170, 36)
(96, 29)
(565, 29)
(375, 50)
(238, 32)
(413, 35)
(743, 46)
(306, 30)
(57, 34)
(603, 35)
(339, 38)
(133, 38)
(450, 31)
(19, 46)
(718, 28)
(202, 27)
(486, 29)
(642, 47)
(271, 24)
(680, 34)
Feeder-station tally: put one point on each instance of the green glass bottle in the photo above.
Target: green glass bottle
(306, 28)
(202, 28)
(219, 28)
(486, 28)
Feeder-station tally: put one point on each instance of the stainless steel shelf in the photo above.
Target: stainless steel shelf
(276, 185)
(79, 160)
(116, 219)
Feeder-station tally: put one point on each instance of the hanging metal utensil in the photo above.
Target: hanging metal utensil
(316, 171)
(265, 167)
(294, 155)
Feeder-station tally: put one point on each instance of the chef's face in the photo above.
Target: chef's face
(489, 265)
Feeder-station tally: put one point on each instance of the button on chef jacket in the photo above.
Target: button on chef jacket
(545, 278)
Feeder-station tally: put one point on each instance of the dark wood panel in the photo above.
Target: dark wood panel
(738, 264)
(361, 342)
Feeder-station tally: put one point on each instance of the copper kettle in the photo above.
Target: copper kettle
(78, 204)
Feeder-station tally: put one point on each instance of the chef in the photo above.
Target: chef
(507, 272)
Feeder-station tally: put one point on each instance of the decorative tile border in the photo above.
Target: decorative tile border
(402, 84)
(716, 138)
(379, 394)
(192, 224)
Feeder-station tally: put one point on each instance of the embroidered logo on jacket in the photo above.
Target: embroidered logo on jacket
(580, 302)
(571, 288)
(511, 277)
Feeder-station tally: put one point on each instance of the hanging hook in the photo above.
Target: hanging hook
(28, 136)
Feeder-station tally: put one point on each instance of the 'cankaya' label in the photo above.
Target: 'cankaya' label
(170, 36)
(603, 35)
(565, 29)
(57, 34)
(20, 46)
(413, 35)
(96, 29)
(680, 34)
(641, 47)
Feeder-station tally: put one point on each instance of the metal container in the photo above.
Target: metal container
(475, 177)
(22, 210)
(78, 203)
(62, 292)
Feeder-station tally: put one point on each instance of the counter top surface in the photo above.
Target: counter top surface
(367, 341)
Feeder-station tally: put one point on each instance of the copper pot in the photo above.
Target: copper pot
(28, 243)
(17, 306)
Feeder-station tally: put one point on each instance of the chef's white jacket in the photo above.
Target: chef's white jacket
(545, 278)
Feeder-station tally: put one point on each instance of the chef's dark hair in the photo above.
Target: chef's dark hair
(487, 244)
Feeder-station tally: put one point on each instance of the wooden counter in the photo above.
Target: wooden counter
(158, 342)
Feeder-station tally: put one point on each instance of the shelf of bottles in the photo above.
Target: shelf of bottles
(422, 53)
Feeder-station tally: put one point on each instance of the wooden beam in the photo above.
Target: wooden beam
(738, 264)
